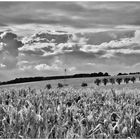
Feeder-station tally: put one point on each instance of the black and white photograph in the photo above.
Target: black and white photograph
(69, 69)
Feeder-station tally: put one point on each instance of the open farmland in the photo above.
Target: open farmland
(30, 110)
(76, 83)
(69, 70)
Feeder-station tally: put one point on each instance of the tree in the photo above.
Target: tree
(100, 74)
(106, 74)
(97, 82)
(112, 81)
(105, 81)
(126, 80)
(119, 74)
(133, 79)
(119, 80)
(122, 74)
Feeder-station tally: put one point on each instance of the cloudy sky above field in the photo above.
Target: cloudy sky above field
(43, 38)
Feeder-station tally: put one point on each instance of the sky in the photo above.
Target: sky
(44, 38)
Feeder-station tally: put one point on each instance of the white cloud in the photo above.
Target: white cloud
(125, 51)
(2, 65)
(91, 64)
(42, 67)
(1, 45)
(35, 46)
(55, 65)
(22, 62)
(136, 38)
(128, 27)
(72, 68)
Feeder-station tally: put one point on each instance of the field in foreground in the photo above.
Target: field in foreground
(69, 113)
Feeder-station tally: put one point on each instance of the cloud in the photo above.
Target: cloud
(2, 65)
(41, 67)
(136, 38)
(79, 36)
(52, 43)
(9, 45)
(48, 44)
(55, 66)
(45, 43)
(126, 45)
(73, 14)
(72, 68)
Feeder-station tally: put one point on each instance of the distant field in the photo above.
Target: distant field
(76, 83)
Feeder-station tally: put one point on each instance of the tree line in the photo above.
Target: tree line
(131, 73)
(112, 80)
(33, 79)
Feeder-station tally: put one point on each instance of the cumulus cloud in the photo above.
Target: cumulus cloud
(52, 43)
(126, 45)
(9, 45)
(25, 65)
(82, 36)
(41, 67)
(56, 65)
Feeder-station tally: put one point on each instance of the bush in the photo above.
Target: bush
(84, 84)
(97, 82)
(48, 86)
(65, 85)
(60, 85)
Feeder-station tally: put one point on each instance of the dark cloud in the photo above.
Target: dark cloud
(106, 36)
(55, 38)
(84, 15)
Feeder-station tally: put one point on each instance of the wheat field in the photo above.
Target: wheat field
(69, 113)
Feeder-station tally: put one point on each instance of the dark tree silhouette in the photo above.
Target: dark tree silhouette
(32, 79)
(133, 79)
(126, 80)
(97, 82)
(100, 74)
(119, 80)
(119, 73)
(106, 74)
(48, 86)
(122, 74)
(84, 84)
(60, 85)
(112, 81)
(105, 81)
